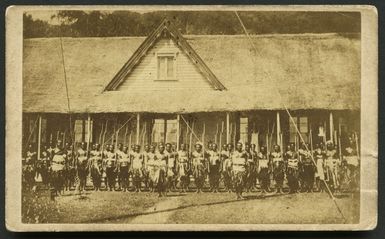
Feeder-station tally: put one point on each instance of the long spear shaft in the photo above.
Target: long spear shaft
(357, 148)
(125, 135)
(191, 134)
(257, 143)
(104, 134)
(235, 134)
(216, 135)
(220, 137)
(101, 133)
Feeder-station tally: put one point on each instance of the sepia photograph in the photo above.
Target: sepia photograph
(187, 117)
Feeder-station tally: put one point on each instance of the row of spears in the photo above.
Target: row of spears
(164, 168)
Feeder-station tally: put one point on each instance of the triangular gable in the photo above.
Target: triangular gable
(175, 35)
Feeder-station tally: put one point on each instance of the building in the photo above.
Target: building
(172, 88)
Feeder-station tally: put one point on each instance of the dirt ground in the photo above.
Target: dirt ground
(145, 207)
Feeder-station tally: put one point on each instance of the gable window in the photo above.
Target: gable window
(166, 66)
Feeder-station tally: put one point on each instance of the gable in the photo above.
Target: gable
(167, 39)
(149, 73)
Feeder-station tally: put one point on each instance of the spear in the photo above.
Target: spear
(104, 134)
(339, 147)
(311, 141)
(267, 143)
(129, 141)
(357, 148)
(271, 136)
(220, 137)
(257, 143)
(216, 135)
(101, 133)
(203, 142)
(144, 132)
(152, 132)
(190, 145)
(125, 135)
(191, 134)
(116, 138)
(186, 136)
(64, 138)
(235, 134)
(324, 133)
(281, 141)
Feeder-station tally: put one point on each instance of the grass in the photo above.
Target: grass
(123, 207)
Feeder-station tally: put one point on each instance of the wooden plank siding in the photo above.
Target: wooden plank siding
(144, 76)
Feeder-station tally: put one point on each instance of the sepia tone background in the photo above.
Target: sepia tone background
(340, 108)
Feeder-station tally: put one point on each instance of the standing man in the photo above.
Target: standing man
(137, 168)
(44, 164)
(251, 167)
(161, 158)
(198, 164)
(96, 166)
(263, 170)
(171, 170)
(82, 166)
(152, 168)
(146, 154)
(239, 160)
(119, 155)
(226, 167)
(29, 169)
(183, 169)
(214, 165)
(319, 157)
(292, 169)
(308, 169)
(124, 168)
(332, 164)
(70, 167)
(57, 168)
(278, 168)
(353, 163)
(110, 166)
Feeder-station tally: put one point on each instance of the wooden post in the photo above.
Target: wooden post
(177, 131)
(278, 129)
(88, 132)
(331, 126)
(165, 131)
(137, 127)
(227, 127)
(39, 139)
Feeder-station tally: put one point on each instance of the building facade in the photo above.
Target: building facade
(182, 89)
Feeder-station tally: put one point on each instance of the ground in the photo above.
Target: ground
(145, 207)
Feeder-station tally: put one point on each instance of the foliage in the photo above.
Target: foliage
(36, 207)
(127, 23)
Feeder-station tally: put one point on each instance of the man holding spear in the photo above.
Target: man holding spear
(198, 164)
(239, 160)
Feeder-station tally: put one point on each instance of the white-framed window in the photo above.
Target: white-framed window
(164, 131)
(302, 124)
(81, 130)
(166, 66)
(158, 131)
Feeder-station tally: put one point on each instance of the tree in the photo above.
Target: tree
(126, 23)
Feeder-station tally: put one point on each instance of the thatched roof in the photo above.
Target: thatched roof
(310, 71)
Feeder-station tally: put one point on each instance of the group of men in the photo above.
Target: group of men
(163, 167)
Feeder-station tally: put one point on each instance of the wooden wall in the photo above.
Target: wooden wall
(144, 75)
